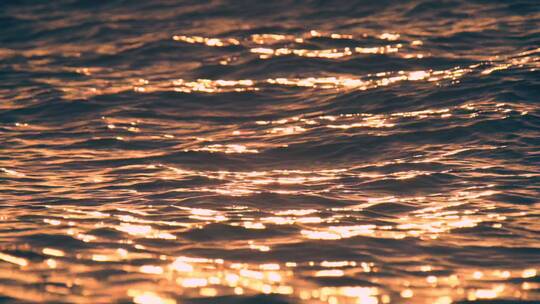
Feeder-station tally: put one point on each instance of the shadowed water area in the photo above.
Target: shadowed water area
(270, 152)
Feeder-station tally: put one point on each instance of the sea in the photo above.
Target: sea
(270, 152)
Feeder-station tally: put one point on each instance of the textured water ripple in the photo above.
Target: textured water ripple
(279, 152)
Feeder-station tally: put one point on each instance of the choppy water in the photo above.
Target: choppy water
(269, 151)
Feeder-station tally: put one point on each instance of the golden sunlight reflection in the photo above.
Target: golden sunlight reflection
(265, 53)
(367, 82)
(262, 46)
(208, 41)
(148, 297)
(243, 158)
(197, 276)
(13, 259)
(211, 277)
(208, 277)
(230, 148)
(269, 39)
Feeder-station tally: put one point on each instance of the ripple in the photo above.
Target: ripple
(277, 152)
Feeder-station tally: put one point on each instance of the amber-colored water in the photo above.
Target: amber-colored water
(269, 152)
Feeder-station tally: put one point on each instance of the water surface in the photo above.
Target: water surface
(269, 151)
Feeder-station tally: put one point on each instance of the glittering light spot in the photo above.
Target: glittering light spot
(13, 259)
(208, 292)
(147, 297)
(193, 282)
(417, 75)
(53, 252)
(478, 275)
(330, 273)
(529, 273)
(180, 265)
(482, 294)
(407, 293)
(269, 266)
(443, 300)
(389, 36)
(51, 263)
(151, 269)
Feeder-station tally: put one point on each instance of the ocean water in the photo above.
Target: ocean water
(270, 151)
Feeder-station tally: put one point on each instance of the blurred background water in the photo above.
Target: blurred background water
(269, 151)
